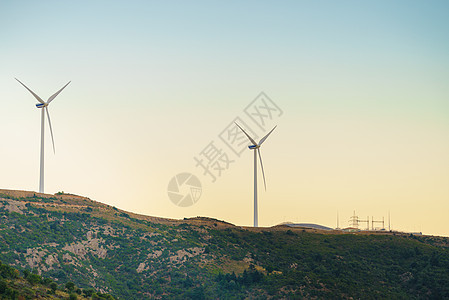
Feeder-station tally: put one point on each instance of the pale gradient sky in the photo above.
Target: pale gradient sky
(364, 87)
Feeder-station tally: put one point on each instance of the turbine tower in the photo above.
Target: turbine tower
(256, 147)
(44, 106)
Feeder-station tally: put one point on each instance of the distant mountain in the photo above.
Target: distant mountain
(68, 238)
(308, 225)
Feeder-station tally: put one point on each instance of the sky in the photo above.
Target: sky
(358, 90)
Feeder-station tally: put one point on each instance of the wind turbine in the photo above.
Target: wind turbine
(256, 147)
(44, 106)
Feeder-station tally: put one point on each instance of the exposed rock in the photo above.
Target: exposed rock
(90, 235)
(405, 277)
(182, 255)
(67, 257)
(141, 268)
(92, 270)
(82, 248)
(155, 254)
(33, 257)
(14, 206)
(108, 230)
(51, 260)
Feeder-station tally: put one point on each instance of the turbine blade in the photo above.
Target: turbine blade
(261, 165)
(35, 96)
(265, 137)
(51, 130)
(57, 93)
(250, 138)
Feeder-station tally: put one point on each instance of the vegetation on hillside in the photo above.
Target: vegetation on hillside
(133, 257)
(14, 285)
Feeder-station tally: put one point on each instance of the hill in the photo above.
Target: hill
(70, 238)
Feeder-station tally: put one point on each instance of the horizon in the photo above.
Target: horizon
(358, 92)
(387, 225)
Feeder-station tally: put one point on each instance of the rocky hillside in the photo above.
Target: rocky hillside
(69, 238)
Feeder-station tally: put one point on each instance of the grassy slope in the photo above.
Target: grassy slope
(72, 238)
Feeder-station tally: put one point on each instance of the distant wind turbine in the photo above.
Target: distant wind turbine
(256, 147)
(44, 106)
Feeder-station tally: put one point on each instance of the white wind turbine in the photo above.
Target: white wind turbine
(256, 147)
(44, 106)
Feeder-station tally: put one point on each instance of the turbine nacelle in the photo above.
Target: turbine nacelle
(254, 147)
(41, 105)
